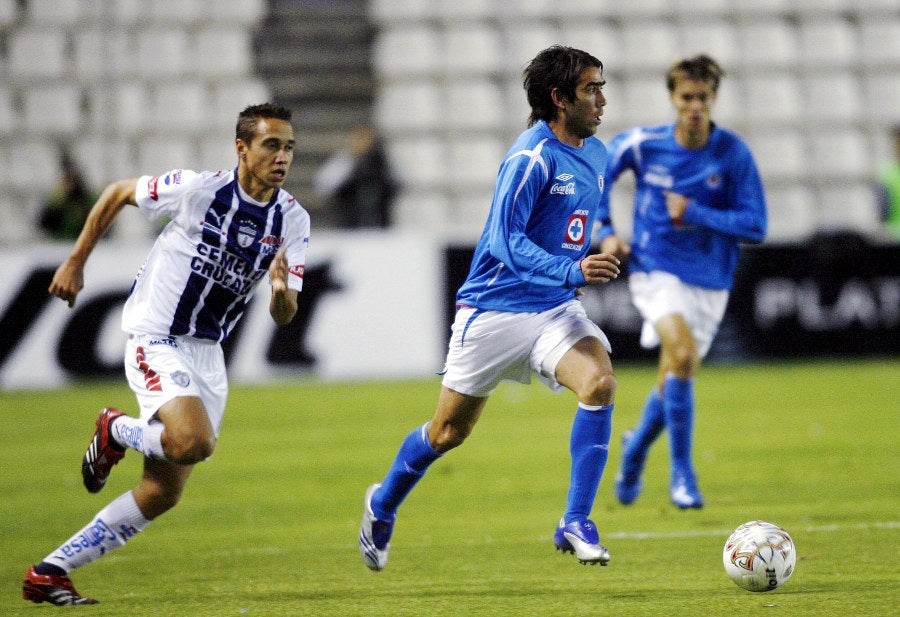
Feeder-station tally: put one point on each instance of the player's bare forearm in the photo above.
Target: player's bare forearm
(68, 280)
(600, 268)
(283, 303)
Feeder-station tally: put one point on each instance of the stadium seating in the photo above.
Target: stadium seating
(130, 86)
(813, 85)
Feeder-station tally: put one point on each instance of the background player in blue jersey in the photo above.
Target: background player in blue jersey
(698, 196)
(228, 231)
(517, 311)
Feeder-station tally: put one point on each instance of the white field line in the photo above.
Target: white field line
(704, 533)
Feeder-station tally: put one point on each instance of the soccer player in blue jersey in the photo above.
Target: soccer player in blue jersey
(228, 231)
(698, 197)
(517, 310)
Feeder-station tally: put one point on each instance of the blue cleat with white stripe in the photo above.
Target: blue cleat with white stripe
(582, 539)
(683, 490)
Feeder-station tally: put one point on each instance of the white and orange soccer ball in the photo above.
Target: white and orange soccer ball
(759, 556)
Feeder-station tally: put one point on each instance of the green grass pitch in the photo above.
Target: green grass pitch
(268, 526)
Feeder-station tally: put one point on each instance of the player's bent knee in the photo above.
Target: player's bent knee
(192, 450)
(599, 389)
(451, 436)
(684, 360)
(156, 499)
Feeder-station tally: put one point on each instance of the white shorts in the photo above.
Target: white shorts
(487, 347)
(658, 294)
(160, 368)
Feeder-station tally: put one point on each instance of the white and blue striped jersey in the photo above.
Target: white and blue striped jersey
(207, 261)
(727, 203)
(538, 228)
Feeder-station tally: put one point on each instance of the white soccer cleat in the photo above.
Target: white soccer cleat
(374, 535)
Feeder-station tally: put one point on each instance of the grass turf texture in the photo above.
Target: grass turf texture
(269, 525)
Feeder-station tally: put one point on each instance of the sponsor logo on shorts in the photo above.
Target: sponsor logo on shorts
(168, 341)
(181, 379)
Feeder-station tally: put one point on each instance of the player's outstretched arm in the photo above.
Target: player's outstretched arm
(69, 277)
(600, 268)
(283, 303)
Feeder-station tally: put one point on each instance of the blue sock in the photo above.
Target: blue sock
(589, 446)
(651, 424)
(678, 403)
(413, 459)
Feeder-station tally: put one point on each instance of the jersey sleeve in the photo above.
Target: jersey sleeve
(163, 195)
(297, 243)
(746, 217)
(520, 183)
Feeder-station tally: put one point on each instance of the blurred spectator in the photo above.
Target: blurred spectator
(357, 181)
(889, 189)
(65, 209)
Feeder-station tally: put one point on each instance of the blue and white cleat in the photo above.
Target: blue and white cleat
(374, 535)
(684, 492)
(582, 539)
(628, 480)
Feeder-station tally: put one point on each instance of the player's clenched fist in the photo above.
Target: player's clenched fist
(600, 268)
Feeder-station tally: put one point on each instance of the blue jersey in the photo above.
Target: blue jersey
(211, 256)
(727, 203)
(538, 228)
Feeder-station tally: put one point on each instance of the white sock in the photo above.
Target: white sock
(143, 436)
(113, 526)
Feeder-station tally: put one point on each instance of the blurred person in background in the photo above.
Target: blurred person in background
(65, 209)
(357, 182)
(698, 197)
(889, 189)
(229, 230)
(517, 312)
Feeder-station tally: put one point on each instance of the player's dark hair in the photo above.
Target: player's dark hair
(247, 119)
(556, 67)
(700, 68)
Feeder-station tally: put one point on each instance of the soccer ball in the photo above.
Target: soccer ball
(759, 556)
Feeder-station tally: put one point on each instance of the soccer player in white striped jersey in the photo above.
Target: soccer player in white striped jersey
(698, 197)
(517, 310)
(228, 230)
